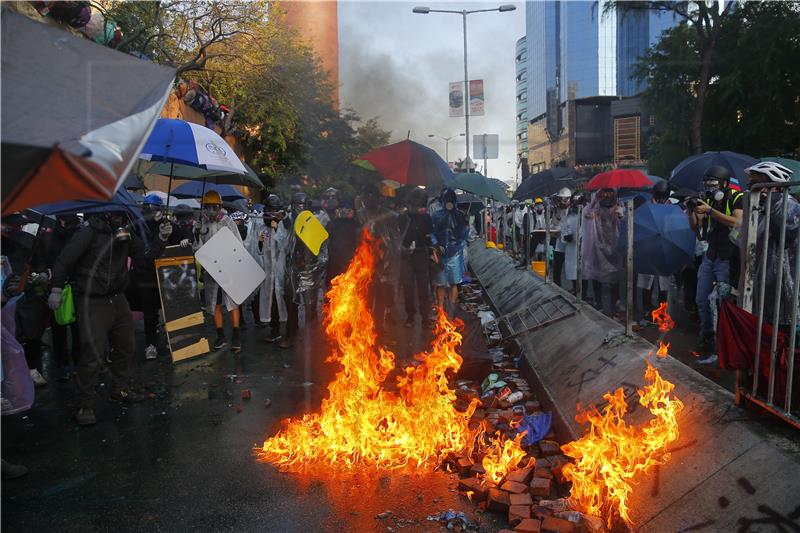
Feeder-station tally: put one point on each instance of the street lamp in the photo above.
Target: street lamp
(423, 10)
(446, 144)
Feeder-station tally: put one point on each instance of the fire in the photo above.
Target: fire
(612, 453)
(363, 422)
(663, 349)
(660, 317)
(502, 456)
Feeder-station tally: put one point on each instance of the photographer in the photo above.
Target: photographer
(95, 262)
(712, 217)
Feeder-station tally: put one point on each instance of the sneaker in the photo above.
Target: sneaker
(38, 379)
(125, 396)
(709, 360)
(220, 343)
(272, 337)
(12, 471)
(236, 342)
(151, 352)
(85, 417)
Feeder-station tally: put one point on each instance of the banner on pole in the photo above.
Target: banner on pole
(457, 99)
(476, 98)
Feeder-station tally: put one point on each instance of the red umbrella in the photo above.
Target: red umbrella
(408, 163)
(620, 178)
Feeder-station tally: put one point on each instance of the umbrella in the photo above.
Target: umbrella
(541, 183)
(122, 201)
(479, 185)
(188, 172)
(75, 114)
(663, 241)
(792, 165)
(408, 163)
(167, 199)
(196, 189)
(133, 182)
(689, 172)
(474, 204)
(619, 178)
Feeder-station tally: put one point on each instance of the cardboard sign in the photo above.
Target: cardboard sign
(225, 258)
(310, 230)
(177, 286)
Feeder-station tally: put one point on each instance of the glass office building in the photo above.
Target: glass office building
(543, 41)
(521, 61)
(636, 33)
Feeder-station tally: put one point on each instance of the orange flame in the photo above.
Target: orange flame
(660, 317)
(502, 456)
(612, 453)
(663, 349)
(361, 422)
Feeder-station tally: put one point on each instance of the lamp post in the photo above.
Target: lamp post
(446, 144)
(422, 10)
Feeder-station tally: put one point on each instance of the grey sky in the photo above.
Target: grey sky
(396, 65)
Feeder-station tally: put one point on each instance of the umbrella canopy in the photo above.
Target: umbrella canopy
(134, 182)
(408, 163)
(183, 143)
(619, 178)
(74, 114)
(166, 198)
(663, 241)
(196, 189)
(474, 204)
(689, 172)
(188, 172)
(479, 185)
(792, 165)
(122, 201)
(544, 183)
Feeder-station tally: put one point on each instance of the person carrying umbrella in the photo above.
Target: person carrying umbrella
(449, 237)
(601, 259)
(212, 220)
(712, 217)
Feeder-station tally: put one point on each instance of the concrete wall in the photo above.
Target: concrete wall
(727, 469)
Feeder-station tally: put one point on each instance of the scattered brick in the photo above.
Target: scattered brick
(529, 525)
(544, 473)
(540, 487)
(246, 394)
(518, 513)
(514, 487)
(499, 501)
(463, 465)
(477, 469)
(559, 461)
(523, 475)
(520, 499)
(549, 447)
(478, 487)
(557, 525)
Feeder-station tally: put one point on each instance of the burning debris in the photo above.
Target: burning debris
(665, 323)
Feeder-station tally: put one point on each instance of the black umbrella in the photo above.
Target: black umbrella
(544, 183)
(689, 172)
(75, 114)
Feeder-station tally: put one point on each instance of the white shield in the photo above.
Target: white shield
(225, 259)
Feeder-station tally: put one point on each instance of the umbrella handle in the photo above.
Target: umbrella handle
(169, 187)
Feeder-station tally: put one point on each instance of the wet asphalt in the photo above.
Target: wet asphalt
(183, 459)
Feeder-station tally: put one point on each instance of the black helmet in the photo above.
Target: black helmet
(273, 203)
(661, 190)
(448, 195)
(299, 201)
(717, 172)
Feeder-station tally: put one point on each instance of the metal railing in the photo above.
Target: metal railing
(753, 288)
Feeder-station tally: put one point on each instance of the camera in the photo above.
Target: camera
(692, 202)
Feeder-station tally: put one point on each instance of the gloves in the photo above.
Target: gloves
(164, 231)
(40, 278)
(54, 300)
(185, 243)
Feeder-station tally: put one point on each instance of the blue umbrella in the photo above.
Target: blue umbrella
(122, 201)
(196, 189)
(689, 172)
(663, 241)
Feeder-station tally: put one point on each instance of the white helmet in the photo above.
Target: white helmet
(771, 169)
(564, 193)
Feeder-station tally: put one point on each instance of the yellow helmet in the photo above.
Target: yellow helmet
(212, 198)
(490, 244)
(539, 201)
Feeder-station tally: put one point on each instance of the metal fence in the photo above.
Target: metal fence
(759, 254)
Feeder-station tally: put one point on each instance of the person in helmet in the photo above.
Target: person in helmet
(601, 259)
(449, 237)
(96, 265)
(714, 215)
(344, 233)
(560, 214)
(569, 237)
(330, 203)
(416, 227)
(273, 243)
(650, 284)
(772, 172)
(182, 225)
(212, 219)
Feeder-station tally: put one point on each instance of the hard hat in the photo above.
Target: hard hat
(564, 193)
(152, 199)
(212, 198)
(273, 203)
(539, 201)
(491, 244)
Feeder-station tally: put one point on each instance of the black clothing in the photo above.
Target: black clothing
(719, 244)
(344, 235)
(416, 229)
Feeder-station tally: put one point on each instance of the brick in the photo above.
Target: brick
(518, 513)
(520, 499)
(523, 475)
(246, 394)
(514, 487)
(544, 473)
(559, 461)
(478, 487)
(549, 447)
(540, 512)
(477, 469)
(463, 464)
(529, 525)
(540, 487)
(532, 406)
(499, 501)
(552, 524)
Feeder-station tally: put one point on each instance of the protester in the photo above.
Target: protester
(537, 226)
(344, 233)
(560, 215)
(416, 227)
(712, 217)
(449, 237)
(255, 228)
(273, 243)
(649, 283)
(382, 225)
(771, 172)
(569, 237)
(602, 262)
(518, 218)
(95, 263)
(213, 218)
(330, 202)
(182, 226)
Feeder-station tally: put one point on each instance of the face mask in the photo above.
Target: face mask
(539, 208)
(449, 206)
(607, 201)
(330, 205)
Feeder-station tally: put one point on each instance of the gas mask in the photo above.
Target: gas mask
(330, 204)
(449, 206)
(119, 228)
(538, 209)
(213, 213)
(713, 191)
(607, 199)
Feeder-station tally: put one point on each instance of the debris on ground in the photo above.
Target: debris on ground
(454, 521)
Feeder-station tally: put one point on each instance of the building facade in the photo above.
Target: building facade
(521, 61)
(637, 31)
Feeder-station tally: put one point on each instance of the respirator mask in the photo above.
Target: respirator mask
(713, 191)
(607, 199)
(119, 228)
(214, 213)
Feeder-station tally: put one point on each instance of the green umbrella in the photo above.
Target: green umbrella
(792, 165)
(479, 185)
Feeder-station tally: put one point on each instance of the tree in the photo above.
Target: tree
(707, 19)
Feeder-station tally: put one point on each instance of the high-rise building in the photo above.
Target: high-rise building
(636, 32)
(521, 60)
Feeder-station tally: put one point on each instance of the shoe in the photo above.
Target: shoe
(273, 336)
(125, 396)
(236, 342)
(706, 346)
(285, 343)
(85, 417)
(220, 343)
(151, 352)
(12, 471)
(262, 324)
(709, 360)
(38, 379)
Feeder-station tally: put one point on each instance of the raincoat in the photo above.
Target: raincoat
(273, 258)
(601, 260)
(790, 256)
(306, 271)
(569, 227)
(208, 229)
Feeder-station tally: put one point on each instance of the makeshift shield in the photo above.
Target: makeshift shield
(225, 258)
(310, 230)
